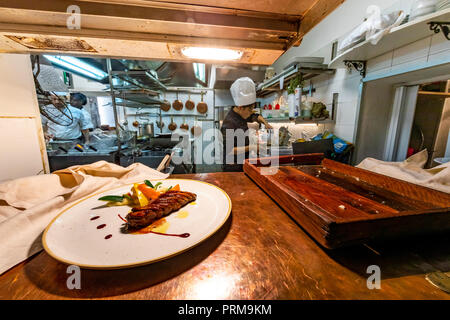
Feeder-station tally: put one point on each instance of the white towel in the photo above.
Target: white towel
(28, 205)
(411, 170)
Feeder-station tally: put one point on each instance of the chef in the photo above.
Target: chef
(236, 147)
(79, 100)
(73, 128)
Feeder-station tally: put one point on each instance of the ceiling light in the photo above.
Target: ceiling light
(211, 53)
(78, 66)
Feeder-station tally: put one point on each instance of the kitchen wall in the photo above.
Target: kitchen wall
(20, 125)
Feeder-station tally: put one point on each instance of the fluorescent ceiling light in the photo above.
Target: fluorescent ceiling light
(211, 53)
(77, 65)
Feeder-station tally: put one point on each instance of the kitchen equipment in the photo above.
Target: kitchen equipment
(270, 72)
(63, 149)
(165, 106)
(62, 144)
(141, 130)
(172, 125)
(341, 205)
(165, 162)
(163, 135)
(160, 124)
(184, 125)
(190, 105)
(177, 104)
(149, 129)
(136, 124)
(79, 147)
(202, 107)
(422, 7)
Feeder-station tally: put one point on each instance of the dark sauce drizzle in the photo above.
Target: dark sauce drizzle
(183, 235)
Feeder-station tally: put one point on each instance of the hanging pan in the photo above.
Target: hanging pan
(202, 107)
(190, 105)
(177, 104)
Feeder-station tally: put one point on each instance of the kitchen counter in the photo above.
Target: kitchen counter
(260, 253)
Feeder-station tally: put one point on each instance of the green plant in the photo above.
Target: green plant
(295, 83)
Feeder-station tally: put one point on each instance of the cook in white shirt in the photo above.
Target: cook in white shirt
(78, 100)
(65, 129)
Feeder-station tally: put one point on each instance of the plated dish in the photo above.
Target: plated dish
(137, 224)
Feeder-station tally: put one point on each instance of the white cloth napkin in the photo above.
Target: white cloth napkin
(411, 170)
(27, 205)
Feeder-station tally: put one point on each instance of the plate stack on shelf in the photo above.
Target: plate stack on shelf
(423, 7)
(442, 5)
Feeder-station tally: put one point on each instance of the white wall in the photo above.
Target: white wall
(23, 147)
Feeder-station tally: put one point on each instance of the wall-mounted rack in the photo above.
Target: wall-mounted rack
(140, 78)
(358, 65)
(440, 26)
(307, 73)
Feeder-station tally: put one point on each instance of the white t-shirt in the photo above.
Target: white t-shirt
(71, 129)
(88, 119)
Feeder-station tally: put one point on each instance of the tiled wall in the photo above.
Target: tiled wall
(420, 54)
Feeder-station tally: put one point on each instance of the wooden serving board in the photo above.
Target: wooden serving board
(340, 205)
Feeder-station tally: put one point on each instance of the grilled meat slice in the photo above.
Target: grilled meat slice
(167, 203)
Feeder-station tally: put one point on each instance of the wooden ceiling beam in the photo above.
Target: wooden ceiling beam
(16, 29)
(313, 17)
(173, 14)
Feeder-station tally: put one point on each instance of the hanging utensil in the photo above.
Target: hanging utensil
(149, 130)
(177, 104)
(160, 124)
(202, 107)
(190, 105)
(172, 125)
(165, 106)
(196, 130)
(184, 126)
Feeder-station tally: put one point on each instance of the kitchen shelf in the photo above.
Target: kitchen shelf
(165, 115)
(316, 121)
(279, 119)
(398, 37)
(307, 72)
(135, 105)
(140, 78)
(301, 121)
(432, 93)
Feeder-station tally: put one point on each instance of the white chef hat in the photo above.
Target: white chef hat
(243, 91)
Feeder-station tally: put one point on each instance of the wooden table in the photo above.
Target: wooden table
(260, 253)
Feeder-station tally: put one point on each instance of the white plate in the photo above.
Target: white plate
(73, 238)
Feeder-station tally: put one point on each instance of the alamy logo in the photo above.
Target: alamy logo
(74, 20)
(74, 280)
(374, 280)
